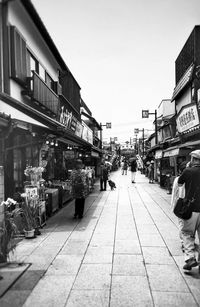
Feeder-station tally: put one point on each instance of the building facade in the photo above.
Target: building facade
(40, 102)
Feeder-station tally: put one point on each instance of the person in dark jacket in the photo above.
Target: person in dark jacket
(103, 177)
(125, 167)
(133, 169)
(191, 178)
(79, 181)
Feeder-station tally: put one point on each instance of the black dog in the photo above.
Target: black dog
(111, 184)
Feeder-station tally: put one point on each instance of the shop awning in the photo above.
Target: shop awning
(171, 151)
(92, 119)
(183, 82)
(191, 144)
(175, 151)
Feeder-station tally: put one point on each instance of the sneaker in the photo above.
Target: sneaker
(190, 263)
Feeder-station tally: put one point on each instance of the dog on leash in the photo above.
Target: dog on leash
(112, 184)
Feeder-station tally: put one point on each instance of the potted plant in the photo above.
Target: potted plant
(8, 228)
(30, 209)
(28, 220)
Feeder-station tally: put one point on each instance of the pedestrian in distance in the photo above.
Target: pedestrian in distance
(80, 188)
(178, 192)
(122, 167)
(191, 178)
(133, 169)
(151, 171)
(125, 167)
(103, 177)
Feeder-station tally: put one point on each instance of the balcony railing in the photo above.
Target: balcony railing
(41, 93)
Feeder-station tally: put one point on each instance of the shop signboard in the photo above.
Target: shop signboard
(79, 129)
(68, 154)
(171, 153)
(31, 192)
(158, 154)
(187, 118)
(94, 154)
(73, 124)
(65, 117)
(87, 134)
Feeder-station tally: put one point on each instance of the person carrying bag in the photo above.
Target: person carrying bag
(191, 209)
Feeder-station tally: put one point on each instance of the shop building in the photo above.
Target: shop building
(186, 96)
(179, 131)
(41, 100)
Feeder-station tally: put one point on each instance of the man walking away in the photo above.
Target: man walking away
(103, 177)
(191, 178)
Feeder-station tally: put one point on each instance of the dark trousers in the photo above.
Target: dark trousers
(103, 183)
(79, 206)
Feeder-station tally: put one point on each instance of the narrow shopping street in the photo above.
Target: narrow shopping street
(124, 252)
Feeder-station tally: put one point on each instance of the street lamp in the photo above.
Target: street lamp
(145, 114)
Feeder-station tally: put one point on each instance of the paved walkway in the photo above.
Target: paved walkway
(124, 252)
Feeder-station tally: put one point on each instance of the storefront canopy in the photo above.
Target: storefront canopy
(192, 144)
(175, 151)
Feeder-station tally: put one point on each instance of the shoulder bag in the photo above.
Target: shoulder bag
(184, 207)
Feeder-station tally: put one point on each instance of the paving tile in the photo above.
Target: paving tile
(127, 265)
(88, 298)
(15, 298)
(127, 247)
(99, 254)
(102, 242)
(65, 265)
(50, 291)
(151, 240)
(129, 291)
(10, 273)
(40, 262)
(167, 299)
(166, 278)
(74, 247)
(28, 280)
(147, 228)
(93, 276)
(157, 255)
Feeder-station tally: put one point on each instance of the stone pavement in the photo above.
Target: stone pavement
(124, 252)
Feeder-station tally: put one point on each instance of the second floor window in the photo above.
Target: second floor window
(23, 62)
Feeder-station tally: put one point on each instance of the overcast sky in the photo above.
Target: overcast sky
(121, 52)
